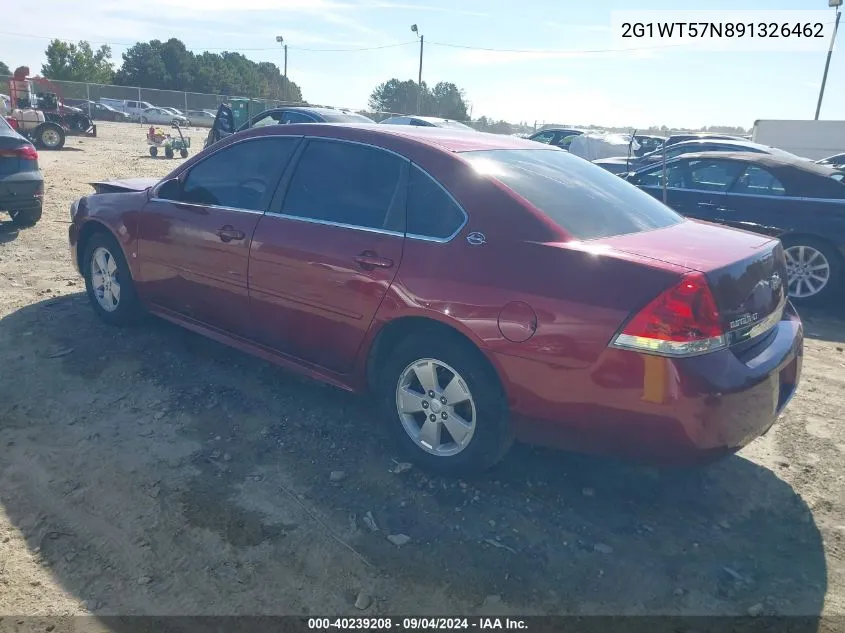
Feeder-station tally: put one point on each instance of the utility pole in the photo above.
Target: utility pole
(419, 80)
(281, 41)
(837, 4)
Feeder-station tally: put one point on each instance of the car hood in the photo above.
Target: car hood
(126, 184)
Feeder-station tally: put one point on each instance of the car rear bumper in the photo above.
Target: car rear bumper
(21, 191)
(661, 411)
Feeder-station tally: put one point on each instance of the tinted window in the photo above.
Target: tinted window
(544, 137)
(297, 117)
(757, 180)
(241, 176)
(346, 117)
(675, 173)
(713, 175)
(584, 199)
(344, 183)
(273, 118)
(431, 211)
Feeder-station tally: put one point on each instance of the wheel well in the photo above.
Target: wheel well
(395, 331)
(89, 229)
(792, 238)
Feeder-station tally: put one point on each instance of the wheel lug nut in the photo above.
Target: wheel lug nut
(432, 417)
(444, 415)
(425, 404)
(442, 400)
(430, 394)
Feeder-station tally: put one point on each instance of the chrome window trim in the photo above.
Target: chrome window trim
(748, 195)
(206, 206)
(411, 236)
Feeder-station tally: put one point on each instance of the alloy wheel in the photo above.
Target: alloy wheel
(808, 269)
(104, 279)
(436, 407)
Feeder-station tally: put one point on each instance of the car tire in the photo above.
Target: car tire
(26, 217)
(811, 258)
(478, 402)
(104, 253)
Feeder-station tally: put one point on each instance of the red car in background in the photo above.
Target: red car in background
(482, 287)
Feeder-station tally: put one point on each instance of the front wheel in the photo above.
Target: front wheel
(153, 151)
(183, 153)
(168, 152)
(444, 405)
(50, 136)
(814, 269)
(108, 281)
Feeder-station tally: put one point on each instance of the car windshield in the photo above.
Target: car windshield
(454, 125)
(583, 199)
(346, 117)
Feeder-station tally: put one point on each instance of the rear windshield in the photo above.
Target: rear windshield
(585, 200)
(344, 117)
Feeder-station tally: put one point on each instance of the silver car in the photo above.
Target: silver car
(425, 121)
(163, 116)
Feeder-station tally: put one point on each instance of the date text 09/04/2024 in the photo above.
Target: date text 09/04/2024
(417, 624)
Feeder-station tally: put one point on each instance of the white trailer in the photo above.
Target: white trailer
(807, 138)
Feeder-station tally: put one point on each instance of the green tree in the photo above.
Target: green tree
(446, 100)
(4, 69)
(78, 62)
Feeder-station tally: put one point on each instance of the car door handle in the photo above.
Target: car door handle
(369, 260)
(229, 233)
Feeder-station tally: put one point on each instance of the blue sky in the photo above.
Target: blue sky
(675, 87)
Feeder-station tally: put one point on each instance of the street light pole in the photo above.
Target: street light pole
(281, 41)
(837, 4)
(419, 80)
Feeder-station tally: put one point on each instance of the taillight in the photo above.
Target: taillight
(682, 321)
(27, 152)
(13, 123)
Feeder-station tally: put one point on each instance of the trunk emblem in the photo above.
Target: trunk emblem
(745, 319)
(476, 239)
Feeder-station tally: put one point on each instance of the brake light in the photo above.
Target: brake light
(27, 152)
(682, 321)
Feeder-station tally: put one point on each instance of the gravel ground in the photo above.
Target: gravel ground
(151, 471)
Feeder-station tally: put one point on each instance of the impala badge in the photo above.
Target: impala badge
(745, 319)
(476, 239)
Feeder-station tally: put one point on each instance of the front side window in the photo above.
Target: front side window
(758, 181)
(585, 200)
(296, 117)
(431, 211)
(675, 176)
(345, 183)
(241, 176)
(544, 137)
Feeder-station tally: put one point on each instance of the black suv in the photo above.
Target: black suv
(21, 182)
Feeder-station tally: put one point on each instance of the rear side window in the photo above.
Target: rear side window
(583, 199)
(241, 176)
(713, 175)
(344, 183)
(759, 181)
(296, 117)
(431, 211)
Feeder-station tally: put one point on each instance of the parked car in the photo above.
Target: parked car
(133, 109)
(98, 111)
(425, 121)
(424, 266)
(648, 143)
(556, 136)
(176, 112)
(163, 117)
(223, 124)
(622, 164)
(836, 161)
(201, 118)
(797, 201)
(21, 182)
(702, 136)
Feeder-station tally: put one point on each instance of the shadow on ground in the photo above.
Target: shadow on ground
(544, 532)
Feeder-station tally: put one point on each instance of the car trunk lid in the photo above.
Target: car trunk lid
(746, 272)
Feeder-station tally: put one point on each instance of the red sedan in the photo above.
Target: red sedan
(481, 287)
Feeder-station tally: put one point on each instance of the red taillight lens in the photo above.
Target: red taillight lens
(682, 321)
(13, 123)
(27, 152)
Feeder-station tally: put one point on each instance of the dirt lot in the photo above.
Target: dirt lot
(150, 471)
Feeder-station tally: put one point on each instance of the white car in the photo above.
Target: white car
(201, 118)
(162, 116)
(425, 121)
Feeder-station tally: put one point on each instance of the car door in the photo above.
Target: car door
(325, 254)
(757, 202)
(196, 232)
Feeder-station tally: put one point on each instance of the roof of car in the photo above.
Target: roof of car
(772, 161)
(449, 139)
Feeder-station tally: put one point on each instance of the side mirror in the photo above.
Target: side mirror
(169, 189)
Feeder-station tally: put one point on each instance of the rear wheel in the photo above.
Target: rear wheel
(50, 136)
(153, 151)
(168, 151)
(444, 405)
(813, 267)
(108, 281)
(26, 217)
(183, 153)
